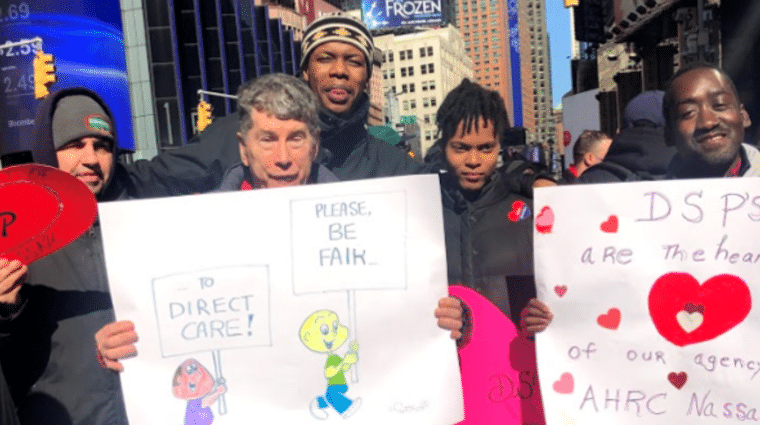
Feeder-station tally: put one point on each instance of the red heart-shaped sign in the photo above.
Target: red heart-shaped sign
(685, 312)
(560, 290)
(41, 210)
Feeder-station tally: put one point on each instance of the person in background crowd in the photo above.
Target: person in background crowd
(638, 151)
(46, 324)
(589, 150)
(488, 227)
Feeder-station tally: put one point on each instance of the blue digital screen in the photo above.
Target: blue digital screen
(514, 56)
(380, 14)
(87, 41)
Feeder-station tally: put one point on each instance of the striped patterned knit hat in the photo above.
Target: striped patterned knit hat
(345, 29)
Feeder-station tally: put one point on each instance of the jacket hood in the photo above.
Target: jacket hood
(43, 150)
(646, 106)
(641, 149)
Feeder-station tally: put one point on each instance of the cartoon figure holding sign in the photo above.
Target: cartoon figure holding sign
(193, 382)
(322, 333)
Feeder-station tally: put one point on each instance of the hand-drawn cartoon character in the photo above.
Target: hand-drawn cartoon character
(193, 382)
(323, 333)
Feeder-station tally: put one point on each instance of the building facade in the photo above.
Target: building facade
(485, 30)
(285, 11)
(508, 44)
(209, 46)
(419, 70)
(537, 108)
(638, 45)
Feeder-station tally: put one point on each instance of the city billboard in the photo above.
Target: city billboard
(382, 14)
(87, 42)
(514, 58)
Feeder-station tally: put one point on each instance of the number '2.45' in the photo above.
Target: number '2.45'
(18, 84)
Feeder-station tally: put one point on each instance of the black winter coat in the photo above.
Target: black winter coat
(47, 348)
(489, 243)
(636, 153)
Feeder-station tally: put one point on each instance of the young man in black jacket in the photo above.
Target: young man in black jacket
(488, 226)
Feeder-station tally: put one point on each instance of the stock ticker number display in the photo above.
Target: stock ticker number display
(12, 81)
(86, 41)
(18, 83)
(14, 12)
(23, 50)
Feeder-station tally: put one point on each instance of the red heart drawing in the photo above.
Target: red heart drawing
(675, 298)
(565, 384)
(517, 211)
(677, 379)
(545, 220)
(560, 290)
(611, 320)
(611, 225)
(691, 308)
(41, 210)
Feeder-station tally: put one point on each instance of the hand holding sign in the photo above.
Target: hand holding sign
(116, 341)
(43, 209)
(11, 277)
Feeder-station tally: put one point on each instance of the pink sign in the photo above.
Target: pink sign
(42, 209)
(499, 379)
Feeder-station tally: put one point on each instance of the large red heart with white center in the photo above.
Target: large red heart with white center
(41, 210)
(685, 312)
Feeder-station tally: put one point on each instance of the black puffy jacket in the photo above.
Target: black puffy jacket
(47, 348)
(489, 243)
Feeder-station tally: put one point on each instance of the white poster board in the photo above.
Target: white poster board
(579, 112)
(651, 285)
(225, 285)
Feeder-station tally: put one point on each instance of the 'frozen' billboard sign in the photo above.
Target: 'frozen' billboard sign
(380, 14)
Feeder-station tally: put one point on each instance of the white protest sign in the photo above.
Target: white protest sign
(213, 309)
(238, 321)
(362, 244)
(651, 285)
